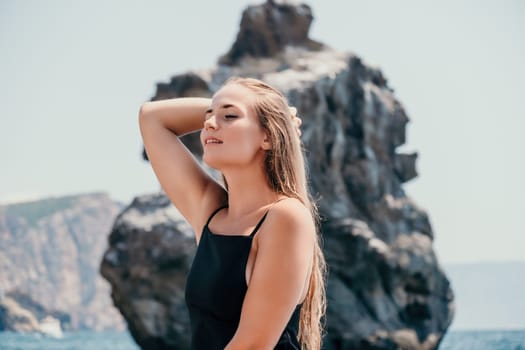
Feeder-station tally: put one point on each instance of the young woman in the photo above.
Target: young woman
(257, 279)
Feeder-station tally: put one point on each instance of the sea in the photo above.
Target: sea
(86, 340)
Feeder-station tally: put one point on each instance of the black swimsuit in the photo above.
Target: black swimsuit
(215, 290)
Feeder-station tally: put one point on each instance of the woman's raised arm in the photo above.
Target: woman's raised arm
(195, 193)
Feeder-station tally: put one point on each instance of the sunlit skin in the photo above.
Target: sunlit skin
(281, 256)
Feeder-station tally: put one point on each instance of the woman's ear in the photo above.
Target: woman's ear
(266, 144)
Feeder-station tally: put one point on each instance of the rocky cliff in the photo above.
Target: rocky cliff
(50, 251)
(386, 289)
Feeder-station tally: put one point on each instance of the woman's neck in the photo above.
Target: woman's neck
(248, 192)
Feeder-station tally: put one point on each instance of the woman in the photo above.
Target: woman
(257, 279)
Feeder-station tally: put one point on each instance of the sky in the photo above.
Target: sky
(74, 74)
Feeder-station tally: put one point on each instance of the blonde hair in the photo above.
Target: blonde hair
(286, 174)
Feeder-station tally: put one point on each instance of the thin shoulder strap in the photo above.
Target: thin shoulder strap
(264, 217)
(215, 212)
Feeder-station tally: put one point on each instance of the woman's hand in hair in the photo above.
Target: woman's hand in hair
(296, 120)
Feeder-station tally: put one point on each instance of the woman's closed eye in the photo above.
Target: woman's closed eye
(230, 116)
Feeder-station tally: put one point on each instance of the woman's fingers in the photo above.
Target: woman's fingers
(297, 121)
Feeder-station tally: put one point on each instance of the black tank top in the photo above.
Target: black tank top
(215, 290)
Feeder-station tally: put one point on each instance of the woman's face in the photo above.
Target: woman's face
(232, 135)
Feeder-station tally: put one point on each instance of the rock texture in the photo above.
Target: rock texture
(49, 258)
(386, 289)
(151, 249)
(268, 28)
(15, 318)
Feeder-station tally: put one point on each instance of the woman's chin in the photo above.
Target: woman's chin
(211, 162)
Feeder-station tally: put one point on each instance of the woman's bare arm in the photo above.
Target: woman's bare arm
(180, 115)
(187, 185)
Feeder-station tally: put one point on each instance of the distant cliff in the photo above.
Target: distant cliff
(50, 252)
(386, 289)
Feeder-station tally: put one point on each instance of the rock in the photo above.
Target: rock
(267, 29)
(385, 287)
(150, 253)
(15, 318)
(39, 311)
(50, 256)
(50, 327)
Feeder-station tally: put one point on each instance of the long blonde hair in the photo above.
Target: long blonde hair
(286, 174)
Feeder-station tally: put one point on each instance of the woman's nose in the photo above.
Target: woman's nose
(210, 122)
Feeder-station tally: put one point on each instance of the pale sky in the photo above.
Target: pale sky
(74, 74)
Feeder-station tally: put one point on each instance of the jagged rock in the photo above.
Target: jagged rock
(38, 310)
(267, 29)
(386, 289)
(15, 318)
(150, 253)
(50, 255)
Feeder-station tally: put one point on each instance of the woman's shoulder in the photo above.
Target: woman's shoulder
(290, 208)
(288, 219)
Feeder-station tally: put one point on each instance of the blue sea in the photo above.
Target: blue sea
(454, 340)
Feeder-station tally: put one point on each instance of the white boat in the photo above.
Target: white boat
(50, 326)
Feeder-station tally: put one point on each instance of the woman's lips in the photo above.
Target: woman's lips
(212, 141)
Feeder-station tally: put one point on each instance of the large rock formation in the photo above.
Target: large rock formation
(151, 249)
(49, 258)
(386, 289)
